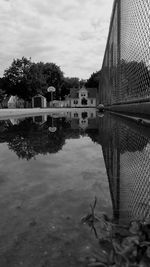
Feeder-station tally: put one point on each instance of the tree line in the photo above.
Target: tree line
(26, 79)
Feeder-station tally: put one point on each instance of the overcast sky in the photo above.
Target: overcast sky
(70, 33)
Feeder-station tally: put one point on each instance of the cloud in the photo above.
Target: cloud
(70, 33)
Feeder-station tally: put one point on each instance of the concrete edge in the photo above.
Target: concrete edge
(139, 120)
(20, 113)
(135, 109)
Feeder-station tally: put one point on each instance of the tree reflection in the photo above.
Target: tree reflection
(28, 139)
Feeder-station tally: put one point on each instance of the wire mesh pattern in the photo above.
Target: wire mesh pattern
(126, 150)
(134, 176)
(126, 65)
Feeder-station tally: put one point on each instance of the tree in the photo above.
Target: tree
(36, 82)
(68, 83)
(93, 81)
(15, 78)
(82, 82)
(1, 82)
(26, 79)
(53, 77)
(2, 93)
(41, 76)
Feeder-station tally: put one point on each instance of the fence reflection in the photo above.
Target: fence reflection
(126, 150)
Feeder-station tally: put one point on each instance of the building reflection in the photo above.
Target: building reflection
(40, 119)
(126, 151)
(78, 119)
(83, 119)
(43, 134)
(125, 146)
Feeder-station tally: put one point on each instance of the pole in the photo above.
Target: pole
(52, 98)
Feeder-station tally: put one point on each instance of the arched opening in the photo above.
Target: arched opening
(84, 101)
(84, 115)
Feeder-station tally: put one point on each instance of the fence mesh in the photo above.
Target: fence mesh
(125, 73)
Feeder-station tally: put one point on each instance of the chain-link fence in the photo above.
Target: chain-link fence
(125, 76)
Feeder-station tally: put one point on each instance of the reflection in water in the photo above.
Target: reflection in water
(43, 200)
(45, 134)
(125, 146)
(31, 137)
(124, 240)
(119, 245)
(126, 153)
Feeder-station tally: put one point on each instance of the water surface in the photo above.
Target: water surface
(51, 171)
(52, 168)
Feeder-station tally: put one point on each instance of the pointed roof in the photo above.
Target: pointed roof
(74, 92)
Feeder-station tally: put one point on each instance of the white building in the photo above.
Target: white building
(83, 97)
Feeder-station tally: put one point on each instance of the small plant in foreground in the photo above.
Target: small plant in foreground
(119, 245)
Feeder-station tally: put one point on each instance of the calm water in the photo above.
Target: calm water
(52, 168)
